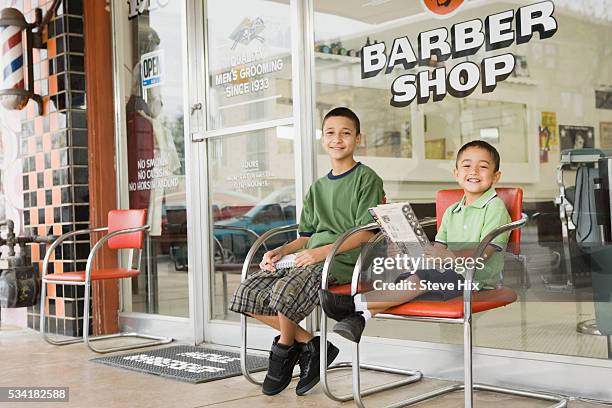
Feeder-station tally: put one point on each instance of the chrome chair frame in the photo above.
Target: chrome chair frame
(413, 375)
(155, 340)
(468, 386)
(245, 271)
(248, 231)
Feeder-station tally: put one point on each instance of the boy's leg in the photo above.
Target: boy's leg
(370, 304)
(294, 297)
(341, 306)
(374, 302)
(378, 301)
(290, 331)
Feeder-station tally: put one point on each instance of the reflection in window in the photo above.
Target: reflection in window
(503, 124)
(554, 87)
(384, 132)
(249, 62)
(252, 190)
(156, 156)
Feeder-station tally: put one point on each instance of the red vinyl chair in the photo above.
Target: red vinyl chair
(454, 311)
(126, 230)
(513, 198)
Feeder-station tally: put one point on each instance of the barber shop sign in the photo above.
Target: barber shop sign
(496, 32)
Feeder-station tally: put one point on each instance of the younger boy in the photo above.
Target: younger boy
(464, 225)
(282, 298)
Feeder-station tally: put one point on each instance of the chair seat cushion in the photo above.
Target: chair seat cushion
(96, 274)
(341, 289)
(453, 308)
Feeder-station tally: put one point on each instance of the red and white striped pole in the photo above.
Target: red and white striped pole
(11, 40)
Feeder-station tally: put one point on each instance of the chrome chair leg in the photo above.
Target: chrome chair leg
(87, 339)
(412, 376)
(468, 386)
(154, 340)
(468, 390)
(49, 339)
(243, 352)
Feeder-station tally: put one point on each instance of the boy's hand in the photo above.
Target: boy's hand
(309, 257)
(269, 259)
(438, 252)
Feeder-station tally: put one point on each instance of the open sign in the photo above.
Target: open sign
(152, 69)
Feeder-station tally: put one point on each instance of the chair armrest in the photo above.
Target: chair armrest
(62, 238)
(259, 242)
(341, 239)
(494, 234)
(103, 240)
(358, 265)
(467, 291)
(241, 229)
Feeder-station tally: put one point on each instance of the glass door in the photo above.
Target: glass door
(249, 139)
(150, 81)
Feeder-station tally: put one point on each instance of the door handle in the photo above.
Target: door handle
(195, 107)
(197, 135)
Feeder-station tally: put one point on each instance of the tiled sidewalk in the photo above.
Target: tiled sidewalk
(26, 360)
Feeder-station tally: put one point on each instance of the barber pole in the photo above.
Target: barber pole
(12, 59)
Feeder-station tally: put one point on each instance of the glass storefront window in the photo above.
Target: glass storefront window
(555, 98)
(423, 133)
(388, 132)
(249, 62)
(155, 145)
(449, 124)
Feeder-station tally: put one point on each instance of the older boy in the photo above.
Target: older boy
(464, 225)
(282, 298)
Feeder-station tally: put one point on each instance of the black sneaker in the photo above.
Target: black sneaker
(309, 364)
(336, 306)
(351, 327)
(280, 367)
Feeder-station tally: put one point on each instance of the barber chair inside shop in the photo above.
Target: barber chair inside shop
(584, 209)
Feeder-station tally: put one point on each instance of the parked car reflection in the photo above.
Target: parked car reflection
(239, 219)
(173, 241)
(234, 236)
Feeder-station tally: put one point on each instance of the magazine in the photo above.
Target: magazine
(400, 225)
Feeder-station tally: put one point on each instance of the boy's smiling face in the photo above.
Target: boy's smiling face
(475, 171)
(340, 138)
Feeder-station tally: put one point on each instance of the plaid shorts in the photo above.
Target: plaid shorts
(294, 292)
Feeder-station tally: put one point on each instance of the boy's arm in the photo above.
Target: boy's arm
(273, 256)
(292, 246)
(315, 255)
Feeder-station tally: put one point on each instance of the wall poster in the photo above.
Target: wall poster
(605, 135)
(576, 137)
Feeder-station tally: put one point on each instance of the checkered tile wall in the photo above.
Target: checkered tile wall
(54, 151)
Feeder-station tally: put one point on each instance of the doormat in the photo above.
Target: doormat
(185, 363)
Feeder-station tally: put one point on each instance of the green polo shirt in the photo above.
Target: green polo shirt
(335, 204)
(464, 226)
